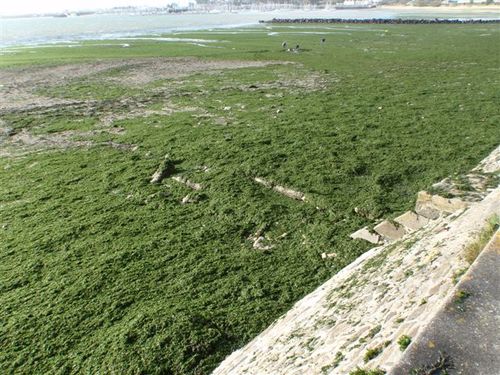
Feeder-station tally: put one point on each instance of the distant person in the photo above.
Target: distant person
(323, 40)
(284, 44)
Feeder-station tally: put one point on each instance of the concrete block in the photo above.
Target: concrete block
(389, 231)
(431, 206)
(412, 221)
(365, 234)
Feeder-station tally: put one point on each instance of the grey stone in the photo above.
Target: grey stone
(411, 220)
(389, 230)
(365, 234)
(431, 206)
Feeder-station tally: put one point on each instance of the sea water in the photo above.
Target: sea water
(40, 30)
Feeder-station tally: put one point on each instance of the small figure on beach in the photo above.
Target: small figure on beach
(323, 40)
(284, 44)
(297, 47)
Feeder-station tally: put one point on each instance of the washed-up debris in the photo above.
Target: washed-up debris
(203, 168)
(165, 169)
(328, 255)
(263, 182)
(185, 181)
(294, 194)
(260, 241)
(260, 244)
(189, 199)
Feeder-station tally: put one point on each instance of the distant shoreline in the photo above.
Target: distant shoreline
(468, 8)
(471, 7)
(385, 21)
(45, 30)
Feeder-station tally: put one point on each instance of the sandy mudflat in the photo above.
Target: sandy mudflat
(18, 85)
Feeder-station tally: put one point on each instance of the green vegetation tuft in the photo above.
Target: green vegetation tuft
(458, 274)
(339, 357)
(460, 296)
(440, 366)
(360, 371)
(404, 341)
(374, 331)
(472, 251)
(373, 352)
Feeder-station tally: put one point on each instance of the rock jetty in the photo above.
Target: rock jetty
(381, 20)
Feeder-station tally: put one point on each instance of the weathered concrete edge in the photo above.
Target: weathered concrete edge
(419, 348)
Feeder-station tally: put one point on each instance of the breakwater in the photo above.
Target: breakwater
(381, 21)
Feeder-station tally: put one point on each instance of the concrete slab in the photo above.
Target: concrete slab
(365, 234)
(464, 337)
(431, 206)
(412, 221)
(390, 231)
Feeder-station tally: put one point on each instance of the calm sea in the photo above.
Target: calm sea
(30, 31)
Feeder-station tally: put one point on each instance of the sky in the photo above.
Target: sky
(13, 7)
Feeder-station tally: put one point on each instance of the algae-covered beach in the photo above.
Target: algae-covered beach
(148, 222)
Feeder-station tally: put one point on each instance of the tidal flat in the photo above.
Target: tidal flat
(102, 271)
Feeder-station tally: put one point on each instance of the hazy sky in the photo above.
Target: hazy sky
(37, 6)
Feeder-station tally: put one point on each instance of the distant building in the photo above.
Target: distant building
(355, 4)
(468, 2)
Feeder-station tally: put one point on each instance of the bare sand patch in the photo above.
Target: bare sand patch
(24, 142)
(146, 71)
(18, 86)
(22, 90)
